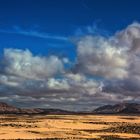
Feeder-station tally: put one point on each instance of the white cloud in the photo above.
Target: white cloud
(75, 77)
(99, 56)
(129, 37)
(61, 84)
(33, 33)
(22, 63)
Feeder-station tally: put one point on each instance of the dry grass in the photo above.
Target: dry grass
(56, 127)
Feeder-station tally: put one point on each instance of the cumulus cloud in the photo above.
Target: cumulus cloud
(99, 56)
(106, 70)
(28, 79)
(53, 83)
(117, 56)
(22, 63)
(115, 60)
(129, 37)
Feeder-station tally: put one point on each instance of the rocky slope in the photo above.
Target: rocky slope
(127, 108)
(5, 108)
(8, 109)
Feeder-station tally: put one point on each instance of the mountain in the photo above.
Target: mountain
(127, 108)
(5, 108)
(8, 109)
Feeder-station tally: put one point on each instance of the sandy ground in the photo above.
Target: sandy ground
(69, 127)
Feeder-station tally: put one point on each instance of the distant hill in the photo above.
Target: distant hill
(5, 108)
(8, 109)
(126, 108)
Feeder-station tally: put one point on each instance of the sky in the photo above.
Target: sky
(69, 54)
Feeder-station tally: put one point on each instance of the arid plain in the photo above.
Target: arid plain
(95, 127)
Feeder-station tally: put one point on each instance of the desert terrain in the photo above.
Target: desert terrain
(95, 127)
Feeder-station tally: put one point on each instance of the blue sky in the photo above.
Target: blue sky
(61, 18)
(70, 54)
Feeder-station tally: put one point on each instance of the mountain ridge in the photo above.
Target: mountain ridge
(9, 109)
(126, 108)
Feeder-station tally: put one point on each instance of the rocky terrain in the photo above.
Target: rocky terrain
(127, 108)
